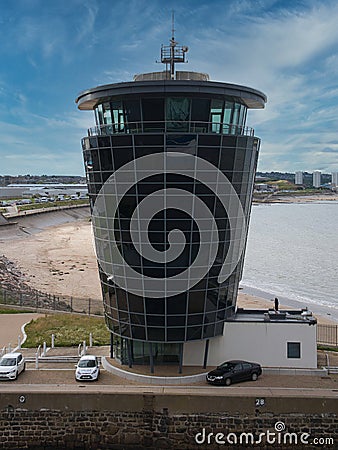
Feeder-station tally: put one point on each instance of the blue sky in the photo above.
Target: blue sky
(51, 50)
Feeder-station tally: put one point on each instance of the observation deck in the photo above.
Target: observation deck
(170, 127)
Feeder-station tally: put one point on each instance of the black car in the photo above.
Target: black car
(233, 371)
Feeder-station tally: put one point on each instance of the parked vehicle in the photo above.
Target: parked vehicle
(11, 365)
(87, 368)
(234, 371)
(25, 201)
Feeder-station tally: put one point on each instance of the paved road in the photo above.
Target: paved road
(63, 381)
(60, 377)
(10, 327)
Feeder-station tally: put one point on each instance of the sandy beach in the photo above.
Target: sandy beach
(60, 260)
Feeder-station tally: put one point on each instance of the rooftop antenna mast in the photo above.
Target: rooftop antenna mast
(173, 53)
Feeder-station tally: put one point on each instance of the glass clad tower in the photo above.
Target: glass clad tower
(170, 167)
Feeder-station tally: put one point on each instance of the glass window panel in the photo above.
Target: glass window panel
(235, 119)
(200, 110)
(135, 303)
(106, 160)
(117, 115)
(177, 304)
(176, 334)
(149, 140)
(95, 160)
(211, 300)
(219, 328)
(99, 110)
(195, 319)
(228, 106)
(132, 113)
(138, 332)
(155, 306)
(122, 141)
(210, 154)
(208, 330)
(153, 113)
(177, 113)
(125, 329)
(210, 318)
(227, 160)
(179, 142)
(123, 316)
(156, 334)
(194, 333)
(241, 118)
(137, 319)
(121, 300)
(176, 321)
(87, 156)
(107, 118)
(293, 350)
(196, 301)
(155, 321)
(122, 156)
(103, 141)
(216, 115)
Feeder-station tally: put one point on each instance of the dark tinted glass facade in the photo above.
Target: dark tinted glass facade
(191, 162)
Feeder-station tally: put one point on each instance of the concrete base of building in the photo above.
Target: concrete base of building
(152, 379)
(196, 378)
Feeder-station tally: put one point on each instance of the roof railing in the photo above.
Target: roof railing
(170, 126)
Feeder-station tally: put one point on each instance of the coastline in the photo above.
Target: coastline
(60, 260)
(306, 198)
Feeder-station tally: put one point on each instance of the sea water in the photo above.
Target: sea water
(292, 253)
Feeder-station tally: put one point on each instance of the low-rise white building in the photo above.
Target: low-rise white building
(276, 339)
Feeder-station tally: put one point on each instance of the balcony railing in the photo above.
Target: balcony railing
(170, 127)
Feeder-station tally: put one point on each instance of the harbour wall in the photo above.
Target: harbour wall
(159, 419)
(34, 221)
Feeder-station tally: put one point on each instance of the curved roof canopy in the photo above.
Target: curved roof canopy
(90, 98)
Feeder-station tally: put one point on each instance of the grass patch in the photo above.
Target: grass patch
(69, 330)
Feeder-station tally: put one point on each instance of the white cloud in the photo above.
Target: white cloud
(289, 53)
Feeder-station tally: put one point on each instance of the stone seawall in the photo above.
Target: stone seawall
(176, 420)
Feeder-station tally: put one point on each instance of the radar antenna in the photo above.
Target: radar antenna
(173, 53)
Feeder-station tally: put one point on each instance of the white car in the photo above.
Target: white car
(11, 365)
(87, 368)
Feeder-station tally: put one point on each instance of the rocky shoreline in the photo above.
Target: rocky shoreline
(11, 278)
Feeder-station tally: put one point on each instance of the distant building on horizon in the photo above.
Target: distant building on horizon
(334, 179)
(317, 178)
(299, 178)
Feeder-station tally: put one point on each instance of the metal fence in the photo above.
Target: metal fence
(168, 126)
(34, 299)
(327, 335)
